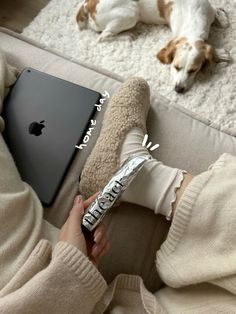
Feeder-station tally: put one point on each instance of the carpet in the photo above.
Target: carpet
(214, 91)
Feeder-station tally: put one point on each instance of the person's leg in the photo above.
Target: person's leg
(179, 192)
(156, 186)
(21, 213)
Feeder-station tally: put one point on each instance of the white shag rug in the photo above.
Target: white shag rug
(214, 93)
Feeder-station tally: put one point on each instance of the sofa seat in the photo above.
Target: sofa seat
(186, 141)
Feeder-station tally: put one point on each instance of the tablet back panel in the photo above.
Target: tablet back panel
(45, 118)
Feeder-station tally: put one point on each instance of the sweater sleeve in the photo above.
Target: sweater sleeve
(201, 244)
(70, 283)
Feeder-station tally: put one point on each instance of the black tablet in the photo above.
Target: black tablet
(45, 118)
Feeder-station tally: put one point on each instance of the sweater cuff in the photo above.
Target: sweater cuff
(178, 228)
(84, 270)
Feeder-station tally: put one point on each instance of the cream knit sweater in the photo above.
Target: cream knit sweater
(197, 261)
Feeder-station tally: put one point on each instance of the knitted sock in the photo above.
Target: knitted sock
(155, 185)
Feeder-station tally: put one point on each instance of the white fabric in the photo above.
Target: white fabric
(155, 185)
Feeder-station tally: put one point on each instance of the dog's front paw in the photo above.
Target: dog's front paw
(222, 55)
(127, 35)
(221, 19)
(105, 36)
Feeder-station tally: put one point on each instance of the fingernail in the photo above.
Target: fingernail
(78, 199)
(97, 237)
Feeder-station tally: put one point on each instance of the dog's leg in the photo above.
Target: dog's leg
(221, 18)
(222, 55)
(128, 35)
(116, 27)
(105, 35)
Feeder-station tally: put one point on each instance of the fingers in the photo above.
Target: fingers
(96, 246)
(90, 200)
(102, 253)
(100, 247)
(104, 250)
(77, 212)
(71, 231)
(99, 233)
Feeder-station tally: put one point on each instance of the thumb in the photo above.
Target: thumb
(77, 212)
(80, 206)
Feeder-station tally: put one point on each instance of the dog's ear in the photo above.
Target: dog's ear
(206, 51)
(208, 55)
(167, 54)
(82, 16)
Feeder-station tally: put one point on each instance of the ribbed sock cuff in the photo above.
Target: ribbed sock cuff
(170, 199)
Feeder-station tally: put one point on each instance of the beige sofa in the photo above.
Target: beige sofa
(186, 141)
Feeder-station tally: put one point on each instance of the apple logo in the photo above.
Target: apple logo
(35, 128)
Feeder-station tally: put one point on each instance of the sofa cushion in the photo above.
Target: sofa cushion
(186, 141)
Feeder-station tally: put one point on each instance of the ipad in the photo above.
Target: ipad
(45, 118)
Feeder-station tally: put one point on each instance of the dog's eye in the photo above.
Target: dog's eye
(192, 71)
(177, 68)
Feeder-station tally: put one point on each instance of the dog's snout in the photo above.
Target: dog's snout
(179, 88)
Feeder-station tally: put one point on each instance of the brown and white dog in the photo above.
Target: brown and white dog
(189, 21)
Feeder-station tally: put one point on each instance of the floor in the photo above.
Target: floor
(17, 14)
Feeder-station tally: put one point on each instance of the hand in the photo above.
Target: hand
(95, 246)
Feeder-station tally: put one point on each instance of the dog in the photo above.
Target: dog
(189, 21)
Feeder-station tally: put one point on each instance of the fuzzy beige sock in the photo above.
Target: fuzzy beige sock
(155, 185)
(128, 108)
(121, 135)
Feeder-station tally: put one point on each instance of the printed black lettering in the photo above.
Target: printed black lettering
(119, 183)
(91, 211)
(97, 213)
(101, 204)
(88, 221)
(109, 196)
(93, 216)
